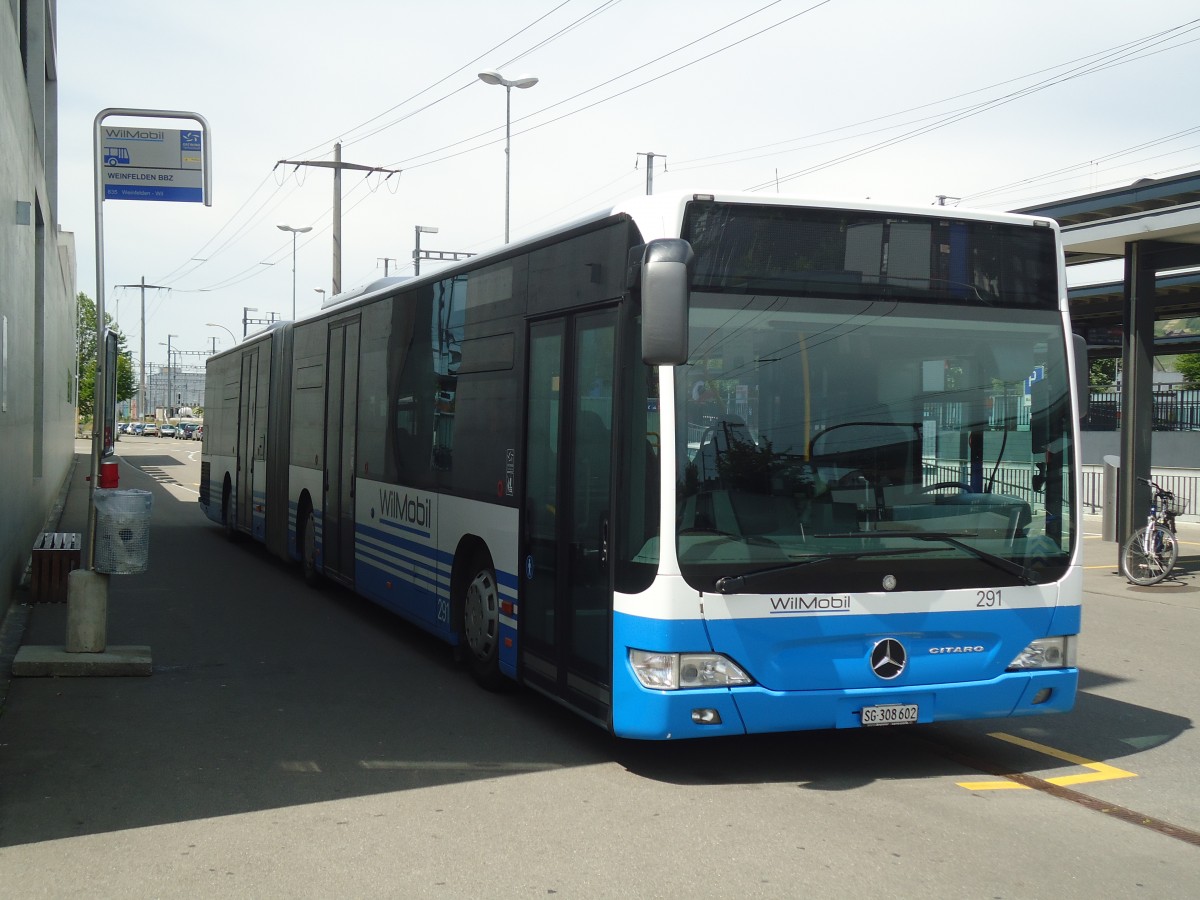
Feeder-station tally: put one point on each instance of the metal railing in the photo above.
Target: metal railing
(1186, 489)
(1172, 411)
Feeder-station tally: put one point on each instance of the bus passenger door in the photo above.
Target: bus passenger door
(247, 427)
(566, 598)
(341, 417)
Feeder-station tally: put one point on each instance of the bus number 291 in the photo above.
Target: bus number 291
(987, 599)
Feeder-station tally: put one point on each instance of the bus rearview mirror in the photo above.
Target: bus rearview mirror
(665, 277)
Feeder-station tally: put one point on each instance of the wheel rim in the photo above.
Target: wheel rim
(481, 615)
(1150, 560)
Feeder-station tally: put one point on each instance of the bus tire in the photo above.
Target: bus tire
(308, 548)
(481, 622)
(227, 522)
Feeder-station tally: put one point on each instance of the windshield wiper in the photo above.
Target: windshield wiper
(732, 584)
(992, 559)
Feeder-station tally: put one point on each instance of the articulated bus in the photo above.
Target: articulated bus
(703, 464)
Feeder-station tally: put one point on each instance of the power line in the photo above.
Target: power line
(411, 162)
(1088, 164)
(346, 137)
(1131, 50)
(594, 12)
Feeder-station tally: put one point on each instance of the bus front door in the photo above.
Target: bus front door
(341, 417)
(566, 594)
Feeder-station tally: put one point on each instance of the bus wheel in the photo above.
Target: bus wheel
(481, 623)
(227, 522)
(308, 548)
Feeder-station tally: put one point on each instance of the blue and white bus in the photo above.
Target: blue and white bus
(702, 464)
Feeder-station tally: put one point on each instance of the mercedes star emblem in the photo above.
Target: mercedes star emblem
(888, 659)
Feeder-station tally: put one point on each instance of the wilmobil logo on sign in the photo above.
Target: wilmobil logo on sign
(135, 134)
(800, 605)
(407, 510)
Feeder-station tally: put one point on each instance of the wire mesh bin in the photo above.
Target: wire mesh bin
(122, 531)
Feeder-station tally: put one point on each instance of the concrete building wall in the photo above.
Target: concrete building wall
(1169, 449)
(37, 290)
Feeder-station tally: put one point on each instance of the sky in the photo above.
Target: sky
(994, 104)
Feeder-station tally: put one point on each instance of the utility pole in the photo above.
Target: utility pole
(142, 358)
(247, 321)
(385, 260)
(170, 384)
(650, 157)
(337, 165)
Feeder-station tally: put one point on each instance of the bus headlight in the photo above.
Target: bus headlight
(676, 671)
(1047, 653)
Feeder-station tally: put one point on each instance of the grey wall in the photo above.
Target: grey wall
(37, 290)
(1169, 449)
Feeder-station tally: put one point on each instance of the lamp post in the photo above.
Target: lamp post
(295, 231)
(419, 230)
(525, 81)
(232, 336)
(170, 386)
(321, 291)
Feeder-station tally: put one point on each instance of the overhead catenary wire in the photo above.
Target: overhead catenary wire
(1137, 52)
(413, 162)
(595, 11)
(1123, 54)
(349, 137)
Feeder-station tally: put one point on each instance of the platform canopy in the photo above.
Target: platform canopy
(1153, 226)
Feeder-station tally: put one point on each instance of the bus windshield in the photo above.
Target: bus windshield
(872, 443)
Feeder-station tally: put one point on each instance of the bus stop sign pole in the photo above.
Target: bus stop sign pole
(137, 163)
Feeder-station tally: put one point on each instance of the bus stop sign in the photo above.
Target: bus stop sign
(149, 163)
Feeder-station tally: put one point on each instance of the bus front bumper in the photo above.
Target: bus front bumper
(670, 715)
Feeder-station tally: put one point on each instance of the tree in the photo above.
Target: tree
(85, 348)
(1188, 365)
(1102, 372)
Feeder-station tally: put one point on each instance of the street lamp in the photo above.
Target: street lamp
(232, 336)
(170, 385)
(321, 291)
(525, 81)
(420, 230)
(295, 231)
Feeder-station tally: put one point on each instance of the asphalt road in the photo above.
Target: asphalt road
(299, 742)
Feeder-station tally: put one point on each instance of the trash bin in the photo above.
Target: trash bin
(122, 531)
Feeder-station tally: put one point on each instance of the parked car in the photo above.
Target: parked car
(137, 428)
(150, 429)
(166, 430)
(183, 431)
(198, 434)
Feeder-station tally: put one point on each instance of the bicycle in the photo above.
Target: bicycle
(1150, 553)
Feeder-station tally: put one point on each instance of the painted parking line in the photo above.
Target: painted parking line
(1099, 771)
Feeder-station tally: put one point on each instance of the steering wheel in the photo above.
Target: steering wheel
(853, 478)
(945, 485)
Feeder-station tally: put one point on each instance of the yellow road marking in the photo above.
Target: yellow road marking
(1100, 771)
